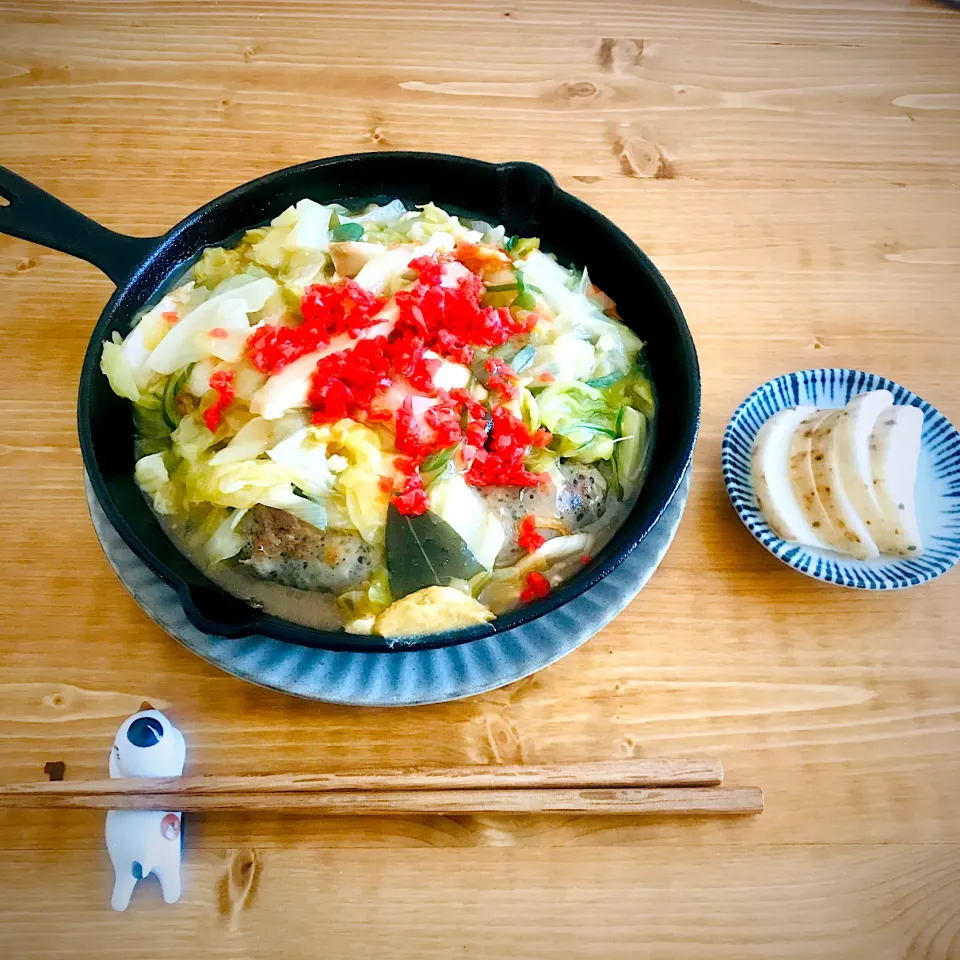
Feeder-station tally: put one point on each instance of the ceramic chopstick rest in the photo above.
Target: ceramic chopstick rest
(141, 842)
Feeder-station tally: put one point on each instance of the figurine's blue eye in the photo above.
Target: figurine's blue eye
(145, 732)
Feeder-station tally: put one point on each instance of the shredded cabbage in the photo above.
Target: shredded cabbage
(306, 457)
(360, 607)
(581, 417)
(311, 223)
(577, 314)
(216, 264)
(251, 440)
(242, 484)
(114, 365)
(151, 475)
(384, 215)
(567, 358)
(303, 508)
(228, 310)
(225, 542)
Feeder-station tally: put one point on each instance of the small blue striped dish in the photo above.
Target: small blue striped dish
(938, 480)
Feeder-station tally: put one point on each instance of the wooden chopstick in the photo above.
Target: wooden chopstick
(636, 786)
(611, 773)
(550, 800)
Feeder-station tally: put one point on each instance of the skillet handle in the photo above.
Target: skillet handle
(32, 214)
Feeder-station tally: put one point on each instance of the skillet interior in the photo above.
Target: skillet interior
(522, 196)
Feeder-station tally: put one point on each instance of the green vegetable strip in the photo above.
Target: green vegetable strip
(600, 382)
(437, 461)
(524, 358)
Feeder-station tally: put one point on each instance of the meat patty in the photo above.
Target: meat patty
(579, 500)
(582, 497)
(286, 550)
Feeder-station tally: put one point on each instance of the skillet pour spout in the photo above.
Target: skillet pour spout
(522, 196)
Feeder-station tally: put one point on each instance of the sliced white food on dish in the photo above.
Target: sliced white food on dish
(827, 449)
(772, 484)
(852, 443)
(842, 479)
(800, 468)
(894, 454)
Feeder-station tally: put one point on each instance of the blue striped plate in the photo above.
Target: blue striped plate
(938, 480)
(402, 678)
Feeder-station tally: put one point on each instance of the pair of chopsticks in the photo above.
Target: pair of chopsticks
(636, 786)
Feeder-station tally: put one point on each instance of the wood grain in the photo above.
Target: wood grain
(793, 168)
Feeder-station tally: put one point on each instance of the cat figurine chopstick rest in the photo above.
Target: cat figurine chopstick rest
(141, 842)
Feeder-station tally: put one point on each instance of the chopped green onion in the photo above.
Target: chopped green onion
(501, 287)
(600, 382)
(526, 301)
(521, 246)
(347, 231)
(437, 461)
(511, 243)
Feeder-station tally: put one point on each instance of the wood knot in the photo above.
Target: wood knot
(643, 159)
(27, 263)
(377, 135)
(250, 51)
(617, 55)
(238, 883)
(503, 739)
(578, 90)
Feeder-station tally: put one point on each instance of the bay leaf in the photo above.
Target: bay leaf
(425, 551)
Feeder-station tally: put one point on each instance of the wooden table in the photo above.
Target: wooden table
(793, 169)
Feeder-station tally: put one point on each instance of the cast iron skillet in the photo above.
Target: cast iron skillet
(522, 196)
